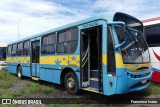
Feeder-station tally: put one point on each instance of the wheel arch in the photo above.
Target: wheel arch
(64, 72)
(17, 67)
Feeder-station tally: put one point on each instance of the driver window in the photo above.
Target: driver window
(119, 29)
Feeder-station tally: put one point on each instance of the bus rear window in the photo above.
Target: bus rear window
(152, 34)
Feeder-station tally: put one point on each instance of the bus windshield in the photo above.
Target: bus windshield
(135, 49)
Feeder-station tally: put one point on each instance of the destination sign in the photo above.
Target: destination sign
(92, 24)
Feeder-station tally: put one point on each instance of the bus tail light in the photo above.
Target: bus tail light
(114, 75)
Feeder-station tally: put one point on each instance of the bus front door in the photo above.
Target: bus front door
(35, 46)
(91, 54)
(85, 65)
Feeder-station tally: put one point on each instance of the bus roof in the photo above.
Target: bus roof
(3, 45)
(151, 21)
(108, 16)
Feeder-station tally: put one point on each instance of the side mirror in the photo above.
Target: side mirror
(119, 45)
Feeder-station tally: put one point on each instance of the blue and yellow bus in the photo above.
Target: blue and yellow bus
(106, 54)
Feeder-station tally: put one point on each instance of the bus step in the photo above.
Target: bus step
(94, 70)
(94, 83)
(35, 78)
(94, 79)
(94, 74)
(91, 89)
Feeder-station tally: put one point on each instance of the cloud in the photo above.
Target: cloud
(36, 16)
(33, 16)
(139, 8)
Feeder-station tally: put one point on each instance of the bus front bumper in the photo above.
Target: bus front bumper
(129, 83)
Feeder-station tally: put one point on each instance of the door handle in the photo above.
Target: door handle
(40, 66)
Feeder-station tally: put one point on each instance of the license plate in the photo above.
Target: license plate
(143, 81)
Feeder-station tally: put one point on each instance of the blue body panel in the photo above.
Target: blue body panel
(26, 71)
(35, 70)
(12, 68)
(132, 84)
(46, 74)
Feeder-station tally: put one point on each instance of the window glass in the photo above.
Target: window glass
(20, 46)
(9, 50)
(111, 53)
(60, 48)
(26, 50)
(2, 53)
(62, 37)
(67, 41)
(26, 44)
(45, 42)
(14, 49)
(20, 49)
(48, 44)
(72, 46)
(153, 35)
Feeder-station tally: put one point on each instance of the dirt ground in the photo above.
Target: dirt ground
(92, 99)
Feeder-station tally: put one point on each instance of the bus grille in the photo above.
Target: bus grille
(139, 84)
(138, 76)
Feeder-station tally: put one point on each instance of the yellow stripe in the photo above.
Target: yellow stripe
(72, 60)
(104, 59)
(36, 79)
(18, 59)
(119, 61)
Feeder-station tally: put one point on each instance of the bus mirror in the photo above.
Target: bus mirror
(119, 45)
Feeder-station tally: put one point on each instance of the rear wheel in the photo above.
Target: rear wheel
(19, 72)
(71, 83)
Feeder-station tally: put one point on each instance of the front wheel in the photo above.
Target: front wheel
(19, 72)
(71, 83)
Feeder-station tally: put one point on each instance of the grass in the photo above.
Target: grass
(7, 80)
(9, 94)
(36, 87)
(154, 88)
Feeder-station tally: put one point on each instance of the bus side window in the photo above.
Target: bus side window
(152, 37)
(20, 49)
(14, 49)
(67, 41)
(48, 44)
(9, 50)
(111, 53)
(26, 48)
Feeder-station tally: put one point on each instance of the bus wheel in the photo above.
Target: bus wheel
(19, 72)
(71, 83)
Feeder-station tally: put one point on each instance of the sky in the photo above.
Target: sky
(29, 17)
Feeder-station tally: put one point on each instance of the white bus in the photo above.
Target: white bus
(2, 55)
(152, 33)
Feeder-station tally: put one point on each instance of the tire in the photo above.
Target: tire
(71, 83)
(19, 72)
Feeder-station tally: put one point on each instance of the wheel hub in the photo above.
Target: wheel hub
(70, 83)
(19, 74)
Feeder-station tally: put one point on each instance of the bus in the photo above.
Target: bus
(152, 34)
(2, 55)
(106, 53)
